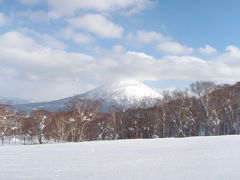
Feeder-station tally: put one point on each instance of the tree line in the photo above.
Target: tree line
(206, 109)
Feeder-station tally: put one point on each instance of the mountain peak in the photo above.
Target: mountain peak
(124, 83)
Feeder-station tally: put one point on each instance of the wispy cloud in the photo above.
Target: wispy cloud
(61, 8)
(3, 19)
(207, 50)
(98, 25)
(175, 48)
(73, 35)
(143, 36)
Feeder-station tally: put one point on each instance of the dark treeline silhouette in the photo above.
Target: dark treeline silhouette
(206, 109)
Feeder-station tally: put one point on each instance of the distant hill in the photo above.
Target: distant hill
(13, 101)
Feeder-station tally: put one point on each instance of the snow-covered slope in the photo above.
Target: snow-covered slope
(196, 158)
(124, 93)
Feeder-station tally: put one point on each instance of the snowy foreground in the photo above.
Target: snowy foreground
(159, 159)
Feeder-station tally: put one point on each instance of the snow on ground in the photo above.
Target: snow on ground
(205, 158)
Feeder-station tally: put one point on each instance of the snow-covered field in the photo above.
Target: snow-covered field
(206, 158)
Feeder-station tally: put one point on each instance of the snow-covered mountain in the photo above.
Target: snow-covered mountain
(125, 94)
(122, 94)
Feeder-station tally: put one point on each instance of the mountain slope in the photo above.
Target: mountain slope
(122, 94)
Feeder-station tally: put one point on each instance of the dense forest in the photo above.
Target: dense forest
(205, 109)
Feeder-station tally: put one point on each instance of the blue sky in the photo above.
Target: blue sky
(51, 49)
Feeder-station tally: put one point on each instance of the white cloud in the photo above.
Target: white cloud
(147, 37)
(36, 16)
(52, 42)
(70, 34)
(45, 39)
(30, 55)
(33, 64)
(140, 55)
(162, 42)
(61, 8)
(3, 19)
(233, 51)
(98, 25)
(174, 48)
(207, 50)
(118, 49)
(17, 40)
(231, 57)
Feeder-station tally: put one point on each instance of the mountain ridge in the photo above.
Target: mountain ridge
(13, 101)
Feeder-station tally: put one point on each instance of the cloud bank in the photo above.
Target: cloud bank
(51, 69)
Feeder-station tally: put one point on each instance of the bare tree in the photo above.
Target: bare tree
(203, 91)
(8, 123)
(41, 119)
(59, 126)
(85, 111)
